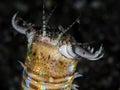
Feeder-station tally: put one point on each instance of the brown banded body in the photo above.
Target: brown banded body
(47, 69)
(51, 59)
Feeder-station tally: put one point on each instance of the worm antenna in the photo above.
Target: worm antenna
(44, 21)
(49, 16)
(63, 31)
(70, 26)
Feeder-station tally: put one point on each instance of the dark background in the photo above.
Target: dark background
(99, 22)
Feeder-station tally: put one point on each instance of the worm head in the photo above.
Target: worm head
(75, 51)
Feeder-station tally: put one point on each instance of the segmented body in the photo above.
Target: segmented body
(47, 69)
(51, 60)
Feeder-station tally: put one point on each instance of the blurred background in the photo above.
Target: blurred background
(99, 22)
